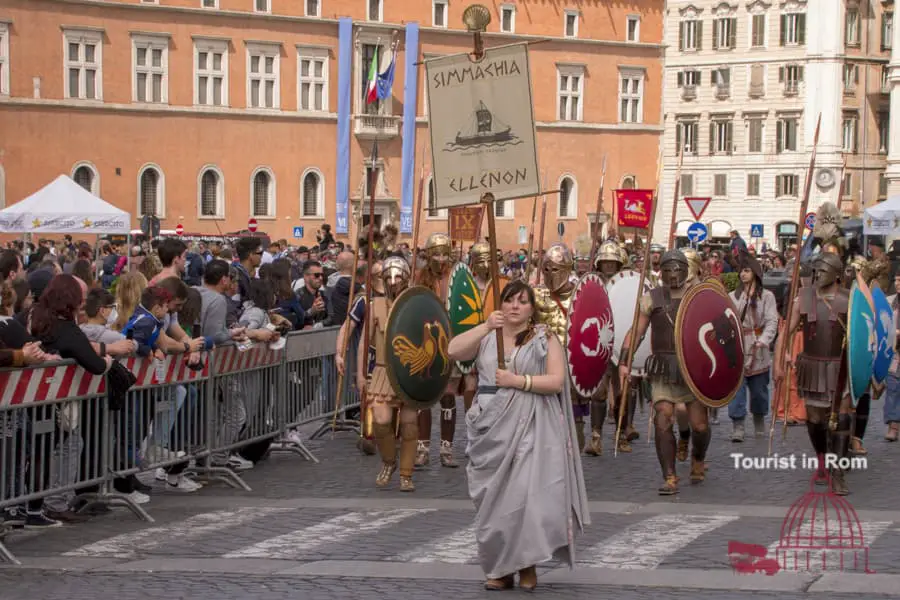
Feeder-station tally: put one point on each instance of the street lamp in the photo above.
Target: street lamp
(476, 18)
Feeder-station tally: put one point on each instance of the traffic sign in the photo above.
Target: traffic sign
(298, 231)
(560, 228)
(252, 225)
(756, 231)
(810, 220)
(697, 206)
(697, 232)
(179, 229)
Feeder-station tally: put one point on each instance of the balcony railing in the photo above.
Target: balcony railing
(791, 88)
(376, 126)
(689, 92)
(757, 90)
(723, 91)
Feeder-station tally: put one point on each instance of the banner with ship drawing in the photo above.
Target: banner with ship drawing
(481, 121)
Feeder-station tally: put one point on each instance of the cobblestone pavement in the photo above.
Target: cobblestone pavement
(322, 531)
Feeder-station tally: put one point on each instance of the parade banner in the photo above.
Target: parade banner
(633, 208)
(481, 120)
(408, 149)
(465, 223)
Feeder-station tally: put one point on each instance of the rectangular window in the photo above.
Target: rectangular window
(793, 29)
(720, 137)
(83, 64)
(791, 76)
(720, 185)
(851, 78)
(262, 76)
(151, 62)
(313, 79)
(758, 31)
(851, 27)
(755, 135)
(211, 73)
(570, 23)
(686, 186)
(884, 133)
(209, 3)
(757, 81)
(686, 137)
(787, 186)
(721, 79)
(631, 96)
(4, 62)
(374, 10)
(313, 8)
(690, 36)
(849, 133)
(847, 186)
(262, 6)
(367, 53)
(633, 29)
(688, 78)
(439, 13)
(887, 30)
(786, 134)
(508, 18)
(752, 185)
(725, 33)
(569, 92)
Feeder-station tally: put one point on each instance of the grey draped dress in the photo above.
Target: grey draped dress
(524, 467)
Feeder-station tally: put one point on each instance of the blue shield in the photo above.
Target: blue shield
(861, 343)
(886, 335)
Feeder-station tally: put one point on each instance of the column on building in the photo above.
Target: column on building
(893, 160)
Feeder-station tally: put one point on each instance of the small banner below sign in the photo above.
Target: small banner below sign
(633, 208)
(465, 223)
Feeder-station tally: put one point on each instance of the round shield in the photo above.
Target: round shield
(622, 290)
(709, 344)
(589, 335)
(416, 339)
(861, 343)
(887, 335)
(463, 305)
(488, 303)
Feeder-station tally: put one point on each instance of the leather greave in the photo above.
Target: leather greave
(665, 445)
(632, 405)
(448, 418)
(700, 443)
(818, 436)
(424, 427)
(408, 438)
(386, 442)
(862, 416)
(840, 438)
(598, 415)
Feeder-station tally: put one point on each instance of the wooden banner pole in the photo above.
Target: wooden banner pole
(595, 242)
(488, 200)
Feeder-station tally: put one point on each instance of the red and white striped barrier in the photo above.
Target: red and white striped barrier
(46, 384)
(174, 368)
(229, 359)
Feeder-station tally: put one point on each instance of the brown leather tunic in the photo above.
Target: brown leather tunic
(663, 361)
(818, 365)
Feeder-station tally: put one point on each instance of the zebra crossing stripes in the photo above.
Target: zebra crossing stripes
(457, 548)
(129, 545)
(298, 543)
(646, 544)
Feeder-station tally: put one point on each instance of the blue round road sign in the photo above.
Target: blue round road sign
(810, 220)
(697, 232)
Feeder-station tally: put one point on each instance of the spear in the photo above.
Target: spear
(596, 241)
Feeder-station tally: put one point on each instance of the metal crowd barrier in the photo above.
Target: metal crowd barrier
(62, 433)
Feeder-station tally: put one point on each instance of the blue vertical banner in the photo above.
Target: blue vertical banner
(342, 166)
(410, 108)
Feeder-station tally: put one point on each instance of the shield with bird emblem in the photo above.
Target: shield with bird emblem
(463, 306)
(589, 335)
(862, 342)
(417, 335)
(886, 332)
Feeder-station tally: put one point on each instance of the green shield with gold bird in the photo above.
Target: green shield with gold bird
(465, 306)
(416, 338)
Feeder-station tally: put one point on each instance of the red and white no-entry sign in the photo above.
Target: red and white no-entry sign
(179, 229)
(251, 225)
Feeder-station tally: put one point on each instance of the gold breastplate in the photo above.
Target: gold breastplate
(553, 310)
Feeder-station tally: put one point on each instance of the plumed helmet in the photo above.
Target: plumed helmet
(437, 240)
(674, 255)
(829, 261)
(657, 248)
(393, 266)
(610, 251)
(481, 248)
(559, 254)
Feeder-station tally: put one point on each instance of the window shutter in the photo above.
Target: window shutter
(681, 27)
(779, 136)
(680, 79)
(732, 34)
(801, 28)
(727, 78)
(780, 74)
(778, 186)
(678, 127)
(716, 26)
(714, 77)
(800, 73)
(699, 77)
(855, 74)
(855, 135)
(699, 35)
(729, 133)
(712, 137)
(783, 32)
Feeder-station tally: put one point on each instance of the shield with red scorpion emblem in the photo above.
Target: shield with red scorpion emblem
(589, 335)
(709, 343)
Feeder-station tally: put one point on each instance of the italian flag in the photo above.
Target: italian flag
(372, 88)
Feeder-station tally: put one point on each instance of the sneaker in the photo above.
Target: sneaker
(160, 474)
(239, 463)
(12, 518)
(294, 437)
(139, 486)
(759, 425)
(40, 521)
(180, 483)
(138, 498)
(737, 435)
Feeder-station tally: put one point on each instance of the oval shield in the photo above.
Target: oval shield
(463, 305)
(417, 335)
(861, 343)
(622, 290)
(488, 303)
(589, 335)
(709, 344)
(886, 332)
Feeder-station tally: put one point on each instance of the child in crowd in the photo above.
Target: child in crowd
(146, 323)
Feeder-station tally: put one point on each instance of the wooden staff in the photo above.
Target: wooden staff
(530, 263)
(626, 385)
(488, 200)
(795, 287)
(370, 260)
(541, 241)
(418, 216)
(595, 243)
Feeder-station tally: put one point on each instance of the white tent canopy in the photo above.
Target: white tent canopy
(63, 206)
(883, 218)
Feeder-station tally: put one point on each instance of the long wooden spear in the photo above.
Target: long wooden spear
(595, 243)
(541, 240)
(418, 215)
(370, 261)
(529, 263)
(795, 287)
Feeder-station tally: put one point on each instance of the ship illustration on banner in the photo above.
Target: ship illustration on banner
(633, 208)
(483, 130)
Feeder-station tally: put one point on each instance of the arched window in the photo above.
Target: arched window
(85, 177)
(263, 194)
(312, 194)
(567, 201)
(212, 196)
(150, 192)
(629, 182)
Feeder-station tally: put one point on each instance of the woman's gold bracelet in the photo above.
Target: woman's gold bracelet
(528, 383)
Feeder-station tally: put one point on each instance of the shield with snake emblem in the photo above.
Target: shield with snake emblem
(589, 335)
(709, 344)
(862, 342)
(463, 306)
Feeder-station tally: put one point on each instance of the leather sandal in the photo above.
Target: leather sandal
(856, 447)
(504, 583)
(528, 579)
(893, 432)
